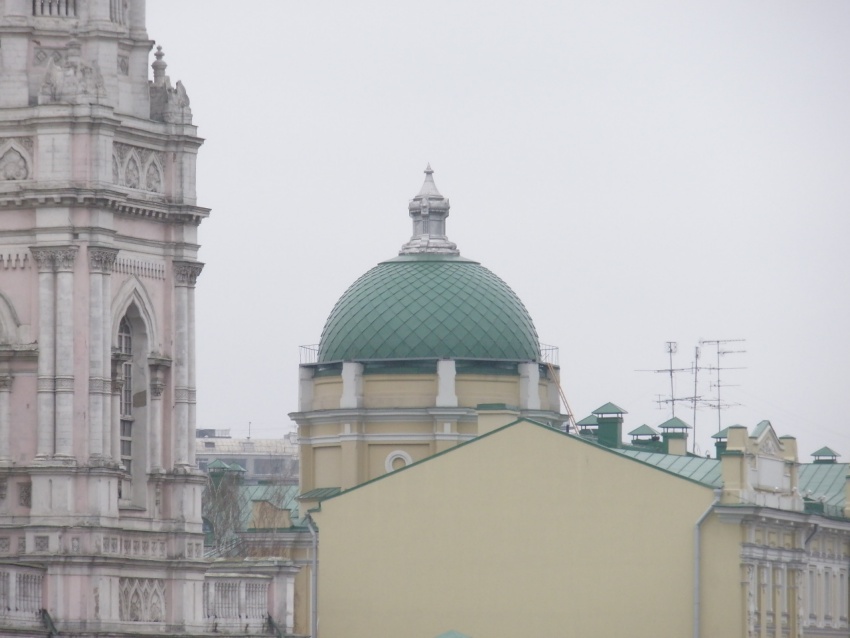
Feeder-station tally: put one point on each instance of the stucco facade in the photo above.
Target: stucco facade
(530, 531)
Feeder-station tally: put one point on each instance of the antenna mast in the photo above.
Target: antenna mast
(720, 345)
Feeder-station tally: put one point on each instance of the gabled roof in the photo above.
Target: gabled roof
(609, 408)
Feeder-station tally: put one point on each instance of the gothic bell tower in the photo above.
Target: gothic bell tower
(100, 513)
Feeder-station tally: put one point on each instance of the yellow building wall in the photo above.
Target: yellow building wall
(327, 392)
(327, 466)
(473, 390)
(525, 532)
(399, 390)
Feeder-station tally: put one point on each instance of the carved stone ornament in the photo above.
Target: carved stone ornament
(25, 494)
(141, 599)
(137, 167)
(102, 259)
(5, 383)
(186, 272)
(13, 166)
(168, 104)
(157, 389)
(70, 80)
(65, 257)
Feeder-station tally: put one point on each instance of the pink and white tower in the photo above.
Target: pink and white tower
(100, 504)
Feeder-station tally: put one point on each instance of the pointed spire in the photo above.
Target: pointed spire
(429, 210)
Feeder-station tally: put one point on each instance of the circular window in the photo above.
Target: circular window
(397, 460)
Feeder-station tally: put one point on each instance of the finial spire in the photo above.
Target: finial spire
(429, 210)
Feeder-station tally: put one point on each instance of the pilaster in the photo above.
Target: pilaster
(101, 261)
(158, 369)
(446, 390)
(65, 258)
(5, 420)
(46, 415)
(185, 276)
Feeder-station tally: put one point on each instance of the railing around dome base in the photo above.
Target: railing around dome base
(549, 354)
(309, 354)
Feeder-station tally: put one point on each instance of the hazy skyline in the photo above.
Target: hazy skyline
(637, 172)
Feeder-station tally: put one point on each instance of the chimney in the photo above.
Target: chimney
(720, 441)
(733, 464)
(825, 455)
(609, 421)
(674, 434)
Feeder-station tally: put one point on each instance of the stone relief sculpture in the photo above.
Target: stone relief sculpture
(15, 154)
(70, 80)
(168, 104)
(13, 166)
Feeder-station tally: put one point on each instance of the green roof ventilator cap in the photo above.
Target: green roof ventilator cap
(674, 424)
(429, 303)
(609, 408)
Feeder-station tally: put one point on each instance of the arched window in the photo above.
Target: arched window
(125, 346)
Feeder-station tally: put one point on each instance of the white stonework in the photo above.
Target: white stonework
(101, 512)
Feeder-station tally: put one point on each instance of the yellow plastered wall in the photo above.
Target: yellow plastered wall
(399, 390)
(327, 392)
(326, 466)
(525, 532)
(473, 390)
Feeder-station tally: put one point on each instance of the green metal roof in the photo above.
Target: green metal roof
(320, 493)
(589, 420)
(826, 451)
(824, 482)
(674, 423)
(643, 430)
(429, 306)
(696, 468)
(609, 408)
(723, 434)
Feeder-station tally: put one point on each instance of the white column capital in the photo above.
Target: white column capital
(102, 259)
(186, 272)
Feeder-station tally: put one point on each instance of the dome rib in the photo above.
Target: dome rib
(429, 307)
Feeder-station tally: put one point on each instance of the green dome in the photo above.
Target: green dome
(429, 306)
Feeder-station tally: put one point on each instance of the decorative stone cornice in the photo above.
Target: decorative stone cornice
(186, 272)
(102, 259)
(54, 258)
(126, 204)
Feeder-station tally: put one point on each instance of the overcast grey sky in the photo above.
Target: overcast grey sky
(638, 172)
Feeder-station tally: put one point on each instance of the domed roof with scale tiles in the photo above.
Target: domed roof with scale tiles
(429, 303)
